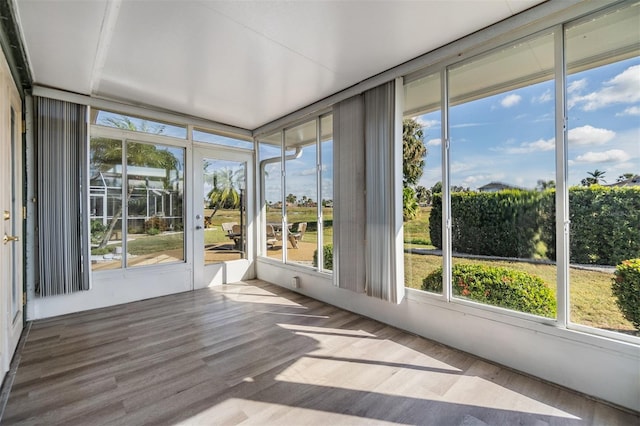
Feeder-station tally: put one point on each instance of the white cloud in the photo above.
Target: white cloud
(589, 135)
(427, 124)
(544, 118)
(634, 110)
(510, 100)
(577, 86)
(308, 172)
(457, 167)
(610, 156)
(463, 125)
(623, 88)
(434, 142)
(544, 97)
(537, 146)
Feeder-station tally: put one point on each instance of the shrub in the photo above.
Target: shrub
(101, 251)
(409, 204)
(327, 260)
(498, 286)
(504, 223)
(153, 231)
(97, 226)
(605, 224)
(435, 220)
(155, 222)
(626, 289)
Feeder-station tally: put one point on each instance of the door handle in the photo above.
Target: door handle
(198, 227)
(8, 238)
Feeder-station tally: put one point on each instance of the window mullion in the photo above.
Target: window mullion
(446, 191)
(562, 197)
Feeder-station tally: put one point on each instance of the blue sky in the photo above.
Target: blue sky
(509, 137)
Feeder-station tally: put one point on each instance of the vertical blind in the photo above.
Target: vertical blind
(349, 194)
(384, 272)
(61, 144)
(368, 196)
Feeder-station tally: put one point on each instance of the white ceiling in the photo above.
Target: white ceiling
(242, 63)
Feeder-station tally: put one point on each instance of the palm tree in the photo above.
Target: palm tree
(224, 193)
(543, 185)
(595, 177)
(107, 153)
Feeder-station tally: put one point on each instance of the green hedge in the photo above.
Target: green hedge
(327, 257)
(498, 286)
(435, 220)
(312, 226)
(504, 223)
(626, 289)
(605, 224)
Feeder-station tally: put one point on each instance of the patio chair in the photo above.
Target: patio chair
(272, 236)
(227, 227)
(236, 236)
(297, 235)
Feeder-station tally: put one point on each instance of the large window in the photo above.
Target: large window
(422, 180)
(301, 177)
(140, 185)
(270, 153)
(603, 101)
(298, 217)
(537, 224)
(502, 128)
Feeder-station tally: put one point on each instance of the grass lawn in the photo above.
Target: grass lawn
(416, 231)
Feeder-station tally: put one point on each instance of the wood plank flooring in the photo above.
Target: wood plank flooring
(254, 353)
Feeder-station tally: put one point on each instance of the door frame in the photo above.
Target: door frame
(11, 200)
(227, 271)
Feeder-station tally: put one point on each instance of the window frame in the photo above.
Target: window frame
(562, 323)
(126, 136)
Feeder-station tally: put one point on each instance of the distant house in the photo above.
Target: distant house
(496, 186)
(632, 181)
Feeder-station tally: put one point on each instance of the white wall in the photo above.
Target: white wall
(600, 367)
(110, 288)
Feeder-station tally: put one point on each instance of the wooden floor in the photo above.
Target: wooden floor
(255, 353)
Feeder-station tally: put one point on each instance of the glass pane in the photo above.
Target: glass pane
(271, 177)
(105, 203)
(137, 124)
(326, 197)
(423, 183)
(502, 166)
(208, 137)
(155, 213)
(302, 193)
(224, 195)
(603, 94)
